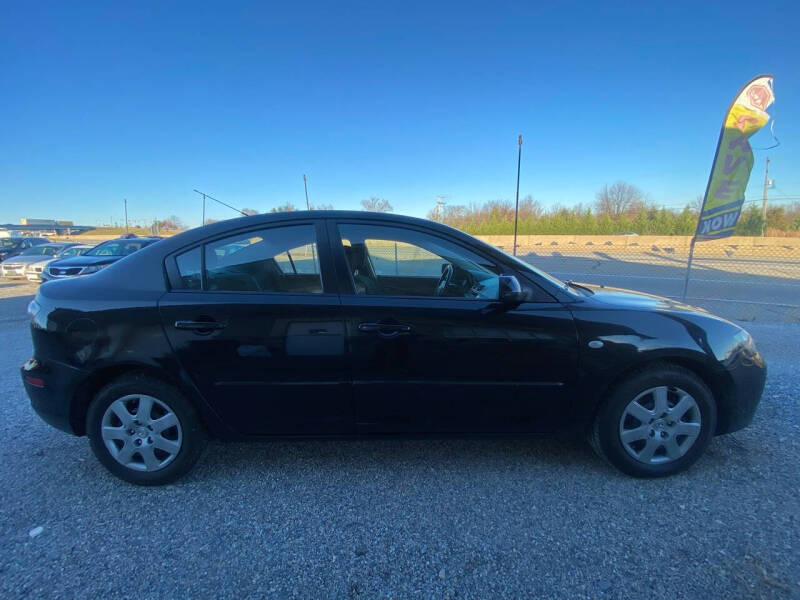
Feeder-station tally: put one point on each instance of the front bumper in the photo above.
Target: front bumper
(51, 389)
(13, 271)
(748, 375)
(33, 275)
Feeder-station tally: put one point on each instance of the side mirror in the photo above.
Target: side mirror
(511, 291)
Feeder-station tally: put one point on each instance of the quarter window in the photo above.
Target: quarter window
(190, 269)
(279, 259)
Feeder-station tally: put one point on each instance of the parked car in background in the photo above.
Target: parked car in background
(34, 270)
(11, 246)
(332, 323)
(96, 259)
(15, 266)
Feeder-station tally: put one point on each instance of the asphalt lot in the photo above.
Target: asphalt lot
(402, 519)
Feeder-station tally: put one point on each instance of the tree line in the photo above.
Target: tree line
(618, 208)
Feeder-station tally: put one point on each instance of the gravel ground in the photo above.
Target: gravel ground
(401, 519)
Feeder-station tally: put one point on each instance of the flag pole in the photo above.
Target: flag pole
(688, 267)
(516, 205)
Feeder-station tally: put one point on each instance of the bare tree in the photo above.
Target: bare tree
(249, 211)
(173, 222)
(376, 205)
(288, 207)
(530, 208)
(619, 199)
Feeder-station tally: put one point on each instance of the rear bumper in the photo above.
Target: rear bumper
(51, 388)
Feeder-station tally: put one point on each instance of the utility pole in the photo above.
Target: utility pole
(439, 204)
(764, 200)
(125, 201)
(516, 205)
(204, 208)
(305, 185)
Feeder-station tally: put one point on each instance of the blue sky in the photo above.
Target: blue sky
(399, 100)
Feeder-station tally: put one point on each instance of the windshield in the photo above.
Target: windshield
(41, 251)
(8, 243)
(74, 251)
(117, 248)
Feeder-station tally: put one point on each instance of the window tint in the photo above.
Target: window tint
(392, 261)
(280, 259)
(190, 269)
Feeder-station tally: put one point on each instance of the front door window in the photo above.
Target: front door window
(392, 261)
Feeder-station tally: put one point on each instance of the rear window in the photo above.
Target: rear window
(278, 259)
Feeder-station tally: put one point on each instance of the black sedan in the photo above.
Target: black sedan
(95, 259)
(12, 246)
(360, 324)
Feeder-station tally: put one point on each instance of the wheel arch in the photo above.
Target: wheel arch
(88, 388)
(718, 381)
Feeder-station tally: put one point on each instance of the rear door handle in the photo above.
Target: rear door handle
(385, 330)
(199, 326)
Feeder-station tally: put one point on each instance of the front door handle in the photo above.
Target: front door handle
(200, 326)
(385, 330)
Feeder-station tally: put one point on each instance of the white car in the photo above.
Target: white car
(16, 265)
(33, 272)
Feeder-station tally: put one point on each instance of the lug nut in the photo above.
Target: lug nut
(138, 442)
(663, 434)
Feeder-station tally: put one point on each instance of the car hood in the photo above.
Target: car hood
(630, 299)
(84, 261)
(27, 260)
(41, 263)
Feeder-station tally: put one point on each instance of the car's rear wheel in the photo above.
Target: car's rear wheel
(656, 422)
(144, 430)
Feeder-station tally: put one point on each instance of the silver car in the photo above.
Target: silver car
(33, 272)
(16, 265)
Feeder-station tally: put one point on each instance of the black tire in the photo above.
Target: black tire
(604, 436)
(193, 434)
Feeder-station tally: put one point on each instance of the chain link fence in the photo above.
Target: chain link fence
(742, 278)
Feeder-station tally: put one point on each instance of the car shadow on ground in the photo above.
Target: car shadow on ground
(490, 456)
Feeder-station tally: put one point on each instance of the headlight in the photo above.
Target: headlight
(92, 269)
(33, 308)
(745, 340)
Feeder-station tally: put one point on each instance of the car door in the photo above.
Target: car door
(255, 321)
(430, 356)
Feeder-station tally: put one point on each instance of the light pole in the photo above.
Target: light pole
(125, 201)
(516, 204)
(305, 185)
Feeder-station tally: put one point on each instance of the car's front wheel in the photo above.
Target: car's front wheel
(657, 422)
(144, 430)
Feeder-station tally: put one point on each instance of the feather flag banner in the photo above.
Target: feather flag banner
(733, 160)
